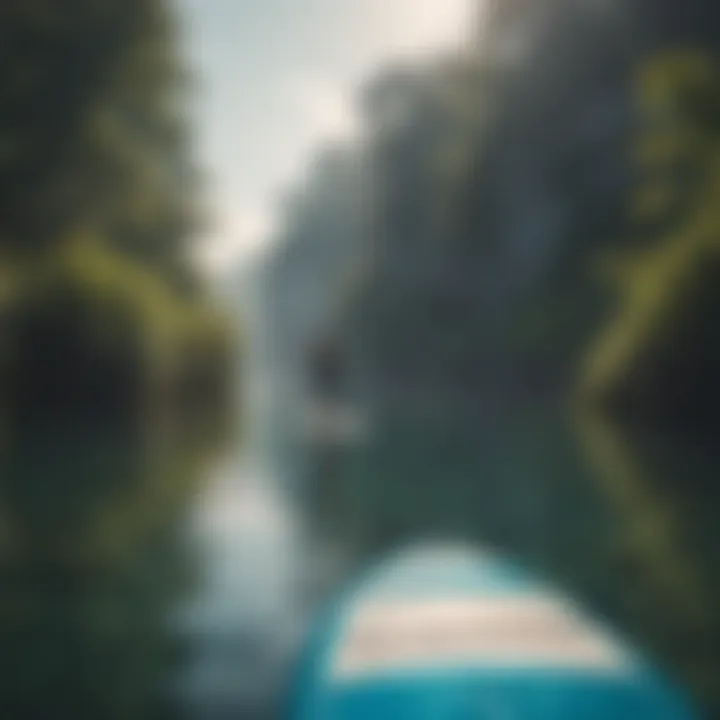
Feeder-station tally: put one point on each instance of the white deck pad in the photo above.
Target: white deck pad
(531, 631)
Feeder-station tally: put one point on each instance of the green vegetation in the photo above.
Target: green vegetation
(104, 317)
(657, 358)
(115, 363)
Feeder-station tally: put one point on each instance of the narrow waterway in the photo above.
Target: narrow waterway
(622, 522)
(189, 577)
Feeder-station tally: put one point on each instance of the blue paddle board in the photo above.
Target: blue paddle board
(452, 633)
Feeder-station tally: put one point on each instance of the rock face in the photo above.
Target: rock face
(664, 22)
(305, 285)
(504, 175)
(459, 265)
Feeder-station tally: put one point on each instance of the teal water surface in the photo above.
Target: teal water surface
(146, 582)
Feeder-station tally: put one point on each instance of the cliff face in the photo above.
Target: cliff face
(506, 175)
(487, 178)
(663, 23)
(306, 283)
(497, 183)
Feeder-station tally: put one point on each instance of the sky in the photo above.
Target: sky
(277, 79)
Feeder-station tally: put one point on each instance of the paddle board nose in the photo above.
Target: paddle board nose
(452, 633)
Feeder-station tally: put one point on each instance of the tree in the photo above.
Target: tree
(658, 358)
(92, 136)
(98, 212)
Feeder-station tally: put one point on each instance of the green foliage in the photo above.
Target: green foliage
(658, 356)
(91, 134)
(94, 333)
(103, 308)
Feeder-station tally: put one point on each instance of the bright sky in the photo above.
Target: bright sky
(276, 78)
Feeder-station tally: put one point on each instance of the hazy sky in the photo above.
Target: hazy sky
(278, 76)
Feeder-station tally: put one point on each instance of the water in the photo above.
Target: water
(140, 583)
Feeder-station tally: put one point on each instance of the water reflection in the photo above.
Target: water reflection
(245, 621)
(166, 580)
(618, 521)
(95, 558)
(666, 581)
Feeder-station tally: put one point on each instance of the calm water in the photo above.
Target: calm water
(148, 583)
